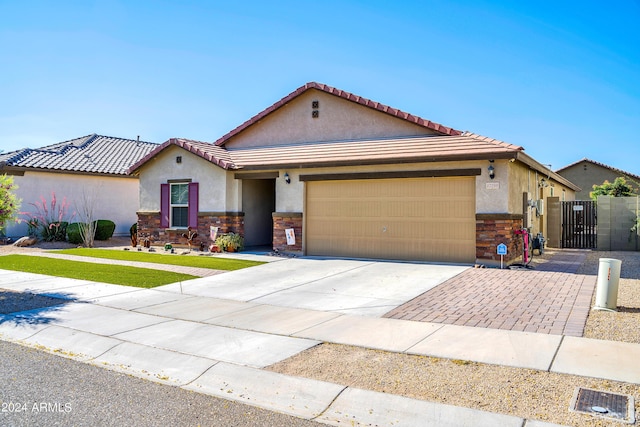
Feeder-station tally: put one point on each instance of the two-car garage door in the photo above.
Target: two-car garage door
(430, 219)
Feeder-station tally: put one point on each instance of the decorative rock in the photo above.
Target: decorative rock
(25, 241)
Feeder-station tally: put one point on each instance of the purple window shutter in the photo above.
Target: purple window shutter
(164, 205)
(193, 205)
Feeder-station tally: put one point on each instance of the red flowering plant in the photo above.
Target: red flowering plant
(49, 219)
(9, 203)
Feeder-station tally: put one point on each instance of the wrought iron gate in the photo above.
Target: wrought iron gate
(579, 221)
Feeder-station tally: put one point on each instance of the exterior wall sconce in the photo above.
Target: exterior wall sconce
(178, 159)
(492, 171)
(287, 178)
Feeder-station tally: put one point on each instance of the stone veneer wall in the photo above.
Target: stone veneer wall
(282, 221)
(494, 229)
(149, 228)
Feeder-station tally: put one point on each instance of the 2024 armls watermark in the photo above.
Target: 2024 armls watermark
(35, 407)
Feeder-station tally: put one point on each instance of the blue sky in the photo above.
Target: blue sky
(560, 78)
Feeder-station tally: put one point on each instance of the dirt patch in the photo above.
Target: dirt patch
(523, 393)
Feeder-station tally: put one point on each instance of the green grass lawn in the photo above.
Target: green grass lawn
(212, 262)
(114, 274)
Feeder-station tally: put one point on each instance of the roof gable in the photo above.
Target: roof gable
(210, 152)
(92, 154)
(602, 165)
(414, 125)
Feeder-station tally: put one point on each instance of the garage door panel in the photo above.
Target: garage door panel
(415, 219)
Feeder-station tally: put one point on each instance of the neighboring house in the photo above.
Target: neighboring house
(92, 167)
(350, 178)
(586, 173)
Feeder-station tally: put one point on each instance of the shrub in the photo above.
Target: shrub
(230, 240)
(104, 229)
(9, 203)
(73, 233)
(133, 233)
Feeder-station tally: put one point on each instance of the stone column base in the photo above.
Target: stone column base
(494, 229)
(283, 221)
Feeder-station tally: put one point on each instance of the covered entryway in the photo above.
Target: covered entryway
(429, 219)
(258, 203)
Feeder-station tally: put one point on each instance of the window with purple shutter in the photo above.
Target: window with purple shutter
(179, 205)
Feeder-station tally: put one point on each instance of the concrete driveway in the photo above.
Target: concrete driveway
(360, 287)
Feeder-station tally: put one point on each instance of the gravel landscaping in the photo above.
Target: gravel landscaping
(623, 325)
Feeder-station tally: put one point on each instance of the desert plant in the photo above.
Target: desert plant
(54, 232)
(228, 241)
(85, 208)
(32, 227)
(104, 229)
(49, 218)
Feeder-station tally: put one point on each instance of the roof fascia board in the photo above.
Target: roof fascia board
(20, 171)
(432, 173)
(12, 170)
(373, 162)
(533, 164)
(257, 175)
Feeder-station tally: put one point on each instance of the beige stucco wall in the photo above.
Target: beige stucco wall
(338, 119)
(117, 197)
(492, 195)
(218, 191)
(524, 179)
(290, 197)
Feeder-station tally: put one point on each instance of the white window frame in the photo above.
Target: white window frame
(178, 205)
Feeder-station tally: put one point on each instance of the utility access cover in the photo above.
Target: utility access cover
(604, 404)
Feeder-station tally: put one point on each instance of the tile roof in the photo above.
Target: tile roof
(378, 151)
(91, 154)
(620, 171)
(336, 153)
(217, 155)
(345, 95)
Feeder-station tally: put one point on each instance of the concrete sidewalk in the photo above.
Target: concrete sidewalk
(181, 335)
